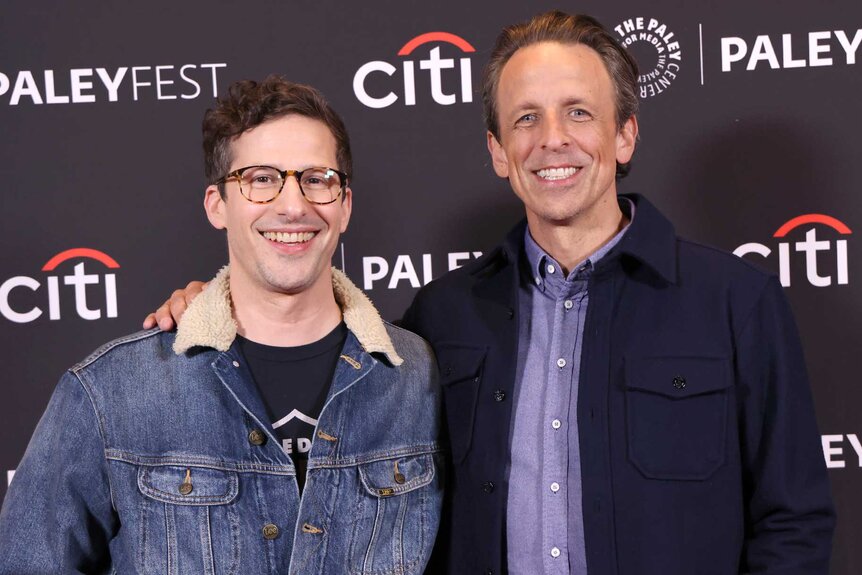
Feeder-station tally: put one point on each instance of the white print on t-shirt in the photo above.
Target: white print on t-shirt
(294, 414)
(295, 444)
(303, 445)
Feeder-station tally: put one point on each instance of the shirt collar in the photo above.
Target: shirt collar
(543, 267)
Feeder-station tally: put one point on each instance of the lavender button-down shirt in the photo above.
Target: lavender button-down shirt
(544, 517)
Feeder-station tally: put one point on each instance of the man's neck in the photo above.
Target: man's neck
(573, 241)
(285, 320)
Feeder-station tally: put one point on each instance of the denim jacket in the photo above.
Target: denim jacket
(155, 456)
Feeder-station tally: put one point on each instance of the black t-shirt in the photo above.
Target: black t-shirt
(294, 383)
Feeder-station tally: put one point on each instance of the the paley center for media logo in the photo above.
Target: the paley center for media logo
(81, 275)
(656, 50)
(382, 83)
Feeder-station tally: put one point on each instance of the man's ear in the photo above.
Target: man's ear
(626, 140)
(214, 205)
(346, 208)
(498, 156)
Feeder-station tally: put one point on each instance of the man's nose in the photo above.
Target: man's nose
(554, 133)
(290, 201)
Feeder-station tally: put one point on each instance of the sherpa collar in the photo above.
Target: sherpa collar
(209, 322)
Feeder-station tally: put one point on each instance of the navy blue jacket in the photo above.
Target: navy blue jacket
(699, 448)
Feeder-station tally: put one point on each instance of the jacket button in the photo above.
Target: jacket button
(270, 531)
(488, 487)
(679, 382)
(499, 395)
(489, 572)
(256, 437)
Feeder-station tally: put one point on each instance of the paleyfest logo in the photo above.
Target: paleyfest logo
(656, 50)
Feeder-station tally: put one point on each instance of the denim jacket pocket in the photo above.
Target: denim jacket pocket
(461, 369)
(189, 520)
(677, 415)
(392, 523)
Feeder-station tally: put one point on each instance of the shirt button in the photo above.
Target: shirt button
(499, 395)
(555, 487)
(551, 269)
(270, 531)
(488, 487)
(235, 363)
(256, 437)
(538, 281)
(556, 424)
(568, 304)
(561, 362)
(555, 552)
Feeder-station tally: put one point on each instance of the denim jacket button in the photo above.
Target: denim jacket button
(270, 531)
(257, 437)
(499, 395)
(679, 382)
(488, 487)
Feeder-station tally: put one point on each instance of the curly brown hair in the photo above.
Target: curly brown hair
(249, 103)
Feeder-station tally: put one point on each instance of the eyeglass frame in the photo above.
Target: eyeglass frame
(284, 174)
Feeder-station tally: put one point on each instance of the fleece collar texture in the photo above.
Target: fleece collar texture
(208, 321)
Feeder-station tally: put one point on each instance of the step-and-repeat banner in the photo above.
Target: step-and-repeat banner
(750, 141)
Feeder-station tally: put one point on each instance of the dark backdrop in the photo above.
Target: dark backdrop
(749, 122)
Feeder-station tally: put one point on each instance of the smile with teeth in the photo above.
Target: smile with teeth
(289, 237)
(557, 173)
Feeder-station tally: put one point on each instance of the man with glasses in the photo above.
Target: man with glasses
(283, 428)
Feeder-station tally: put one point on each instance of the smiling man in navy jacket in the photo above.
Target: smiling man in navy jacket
(618, 400)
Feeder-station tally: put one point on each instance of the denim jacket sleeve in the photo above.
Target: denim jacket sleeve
(57, 516)
(789, 513)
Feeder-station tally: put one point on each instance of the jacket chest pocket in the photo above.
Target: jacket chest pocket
(677, 415)
(460, 376)
(396, 515)
(189, 522)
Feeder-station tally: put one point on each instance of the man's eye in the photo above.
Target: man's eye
(579, 114)
(526, 119)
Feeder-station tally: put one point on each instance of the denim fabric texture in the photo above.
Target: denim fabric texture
(149, 461)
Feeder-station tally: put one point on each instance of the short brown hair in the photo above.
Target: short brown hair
(556, 26)
(248, 104)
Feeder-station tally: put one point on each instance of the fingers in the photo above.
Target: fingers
(150, 321)
(169, 313)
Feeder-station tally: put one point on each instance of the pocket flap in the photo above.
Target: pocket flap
(678, 377)
(188, 485)
(459, 363)
(396, 476)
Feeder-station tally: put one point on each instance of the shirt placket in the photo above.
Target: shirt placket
(556, 421)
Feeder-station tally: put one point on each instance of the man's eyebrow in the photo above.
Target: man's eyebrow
(575, 101)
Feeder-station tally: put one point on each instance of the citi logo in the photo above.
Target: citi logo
(16, 293)
(462, 78)
(819, 254)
